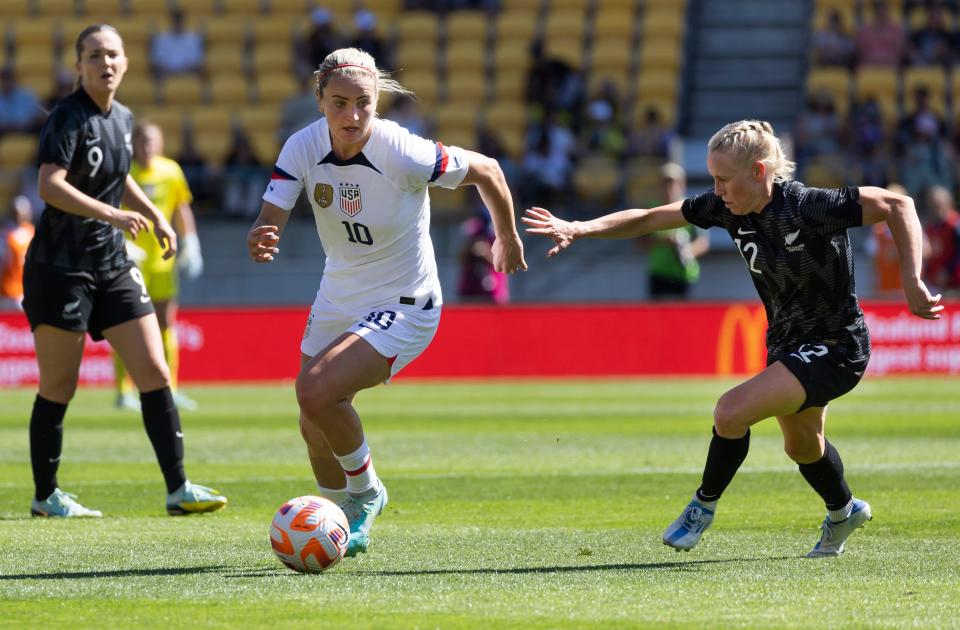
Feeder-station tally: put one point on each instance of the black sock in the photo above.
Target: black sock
(826, 477)
(46, 441)
(723, 461)
(162, 421)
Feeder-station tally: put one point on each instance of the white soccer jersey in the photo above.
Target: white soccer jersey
(372, 211)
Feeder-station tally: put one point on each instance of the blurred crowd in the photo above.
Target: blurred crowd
(906, 137)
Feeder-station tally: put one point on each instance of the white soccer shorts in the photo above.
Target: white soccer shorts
(400, 332)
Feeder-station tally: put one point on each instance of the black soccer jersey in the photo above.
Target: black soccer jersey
(95, 148)
(800, 260)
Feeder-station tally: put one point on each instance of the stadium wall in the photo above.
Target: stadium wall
(574, 340)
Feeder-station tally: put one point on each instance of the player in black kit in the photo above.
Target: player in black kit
(78, 279)
(794, 242)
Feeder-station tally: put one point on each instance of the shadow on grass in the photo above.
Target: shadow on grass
(86, 575)
(644, 566)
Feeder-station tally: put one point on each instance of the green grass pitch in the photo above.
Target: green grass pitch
(530, 504)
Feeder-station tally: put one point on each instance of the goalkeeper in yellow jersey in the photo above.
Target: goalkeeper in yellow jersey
(164, 183)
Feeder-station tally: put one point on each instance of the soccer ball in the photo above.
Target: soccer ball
(309, 534)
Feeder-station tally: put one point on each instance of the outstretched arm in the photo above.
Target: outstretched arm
(901, 217)
(486, 175)
(623, 224)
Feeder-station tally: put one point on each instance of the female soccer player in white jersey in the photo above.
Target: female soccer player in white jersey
(794, 242)
(379, 301)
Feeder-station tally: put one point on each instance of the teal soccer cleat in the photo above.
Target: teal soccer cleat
(191, 498)
(834, 535)
(61, 505)
(684, 533)
(361, 512)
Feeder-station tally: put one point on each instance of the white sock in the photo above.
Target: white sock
(337, 495)
(358, 467)
(842, 514)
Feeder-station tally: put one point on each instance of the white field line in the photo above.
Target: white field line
(645, 470)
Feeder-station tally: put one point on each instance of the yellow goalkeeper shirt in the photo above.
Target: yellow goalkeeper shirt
(164, 183)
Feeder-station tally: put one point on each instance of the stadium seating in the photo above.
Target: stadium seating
(465, 66)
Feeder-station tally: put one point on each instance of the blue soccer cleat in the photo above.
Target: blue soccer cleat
(61, 505)
(361, 512)
(834, 535)
(191, 498)
(684, 533)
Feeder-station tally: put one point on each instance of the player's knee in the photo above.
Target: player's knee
(313, 396)
(307, 431)
(803, 451)
(728, 418)
(59, 390)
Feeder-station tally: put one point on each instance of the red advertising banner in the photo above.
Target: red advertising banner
(253, 344)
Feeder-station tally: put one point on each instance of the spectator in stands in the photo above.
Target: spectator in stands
(163, 181)
(651, 138)
(603, 131)
(178, 50)
(243, 174)
(299, 110)
(818, 130)
(367, 39)
(63, 86)
(322, 39)
(833, 45)
(405, 111)
(20, 109)
(794, 242)
(553, 86)
(942, 230)
(378, 306)
(881, 42)
(867, 143)
(480, 282)
(672, 266)
(932, 43)
(15, 237)
(548, 162)
(926, 158)
(921, 118)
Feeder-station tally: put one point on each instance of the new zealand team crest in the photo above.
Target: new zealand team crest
(323, 195)
(350, 199)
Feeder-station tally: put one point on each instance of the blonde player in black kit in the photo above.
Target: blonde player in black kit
(78, 279)
(794, 243)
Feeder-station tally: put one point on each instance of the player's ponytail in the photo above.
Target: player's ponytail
(85, 33)
(353, 62)
(752, 141)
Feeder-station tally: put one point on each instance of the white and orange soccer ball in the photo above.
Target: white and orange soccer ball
(309, 534)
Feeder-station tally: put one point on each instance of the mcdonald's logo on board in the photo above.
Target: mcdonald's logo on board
(745, 326)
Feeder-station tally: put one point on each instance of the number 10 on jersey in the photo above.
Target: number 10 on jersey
(358, 233)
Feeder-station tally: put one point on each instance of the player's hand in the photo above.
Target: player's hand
(167, 238)
(130, 222)
(921, 303)
(508, 254)
(541, 221)
(262, 243)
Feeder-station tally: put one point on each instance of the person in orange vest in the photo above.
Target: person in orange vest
(14, 239)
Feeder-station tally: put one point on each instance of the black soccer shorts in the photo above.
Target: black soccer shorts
(826, 369)
(83, 301)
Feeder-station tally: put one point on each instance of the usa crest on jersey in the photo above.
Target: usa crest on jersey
(350, 199)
